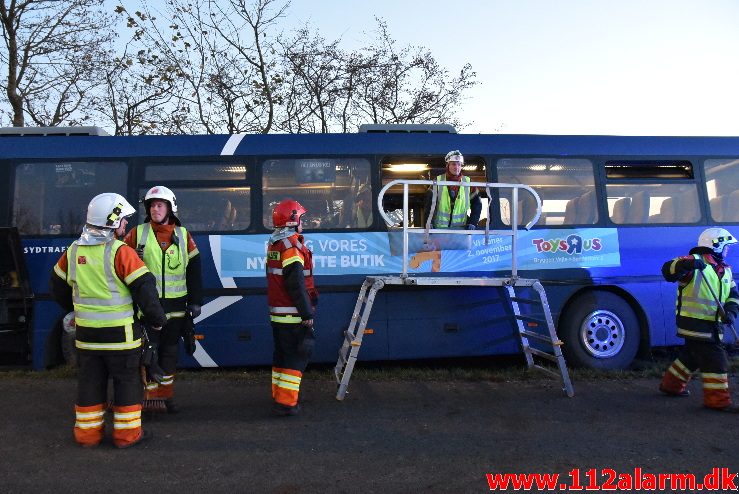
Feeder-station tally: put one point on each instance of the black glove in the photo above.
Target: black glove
(691, 264)
(729, 317)
(150, 358)
(471, 227)
(188, 336)
(194, 310)
(305, 349)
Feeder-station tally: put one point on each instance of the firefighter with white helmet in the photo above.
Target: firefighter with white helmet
(101, 278)
(292, 299)
(703, 276)
(453, 202)
(171, 254)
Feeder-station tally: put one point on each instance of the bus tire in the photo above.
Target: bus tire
(600, 330)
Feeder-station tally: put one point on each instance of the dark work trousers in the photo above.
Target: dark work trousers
(704, 355)
(169, 341)
(288, 339)
(94, 370)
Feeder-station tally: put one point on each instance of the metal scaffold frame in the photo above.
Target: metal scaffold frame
(349, 351)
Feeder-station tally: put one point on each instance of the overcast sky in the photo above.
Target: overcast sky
(627, 67)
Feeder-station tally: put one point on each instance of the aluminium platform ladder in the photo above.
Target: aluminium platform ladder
(352, 342)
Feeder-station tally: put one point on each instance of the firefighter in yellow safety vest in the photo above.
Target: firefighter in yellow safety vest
(700, 320)
(170, 253)
(101, 278)
(453, 202)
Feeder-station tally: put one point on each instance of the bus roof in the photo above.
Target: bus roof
(196, 146)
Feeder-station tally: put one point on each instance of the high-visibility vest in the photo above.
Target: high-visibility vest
(280, 255)
(446, 216)
(101, 299)
(695, 300)
(168, 266)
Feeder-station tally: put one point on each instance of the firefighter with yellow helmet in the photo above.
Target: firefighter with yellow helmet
(170, 253)
(453, 202)
(703, 276)
(292, 299)
(101, 278)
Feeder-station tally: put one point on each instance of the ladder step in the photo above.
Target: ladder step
(350, 339)
(526, 300)
(521, 317)
(537, 336)
(548, 371)
(541, 354)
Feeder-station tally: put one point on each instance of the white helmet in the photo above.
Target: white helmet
(163, 193)
(716, 239)
(108, 209)
(455, 155)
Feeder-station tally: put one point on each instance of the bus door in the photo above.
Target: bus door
(15, 300)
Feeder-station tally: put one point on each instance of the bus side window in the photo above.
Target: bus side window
(566, 188)
(51, 198)
(328, 188)
(722, 186)
(653, 203)
(211, 209)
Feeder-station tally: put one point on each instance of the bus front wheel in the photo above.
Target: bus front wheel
(600, 331)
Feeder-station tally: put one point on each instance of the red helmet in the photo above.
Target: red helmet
(287, 213)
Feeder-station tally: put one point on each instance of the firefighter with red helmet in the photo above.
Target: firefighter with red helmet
(100, 278)
(703, 276)
(170, 253)
(292, 299)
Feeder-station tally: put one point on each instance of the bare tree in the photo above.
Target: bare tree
(406, 85)
(328, 89)
(313, 74)
(53, 54)
(218, 66)
(222, 60)
(136, 96)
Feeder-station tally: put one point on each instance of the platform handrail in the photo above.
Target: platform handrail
(513, 232)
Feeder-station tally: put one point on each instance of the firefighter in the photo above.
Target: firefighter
(699, 319)
(292, 299)
(170, 253)
(453, 202)
(100, 278)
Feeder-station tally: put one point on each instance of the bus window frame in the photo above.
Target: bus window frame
(597, 184)
(698, 178)
(258, 168)
(139, 167)
(13, 176)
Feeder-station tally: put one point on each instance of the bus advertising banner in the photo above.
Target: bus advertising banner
(379, 253)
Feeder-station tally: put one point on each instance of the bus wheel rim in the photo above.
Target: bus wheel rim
(602, 334)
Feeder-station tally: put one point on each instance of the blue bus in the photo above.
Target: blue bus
(613, 210)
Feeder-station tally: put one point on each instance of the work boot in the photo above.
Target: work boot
(170, 405)
(682, 394)
(281, 410)
(145, 436)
